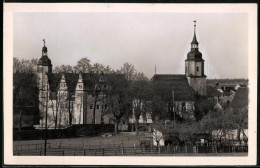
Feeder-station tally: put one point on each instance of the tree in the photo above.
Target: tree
(202, 106)
(98, 68)
(138, 90)
(83, 65)
(161, 99)
(119, 99)
(129, 71)
(25, 66)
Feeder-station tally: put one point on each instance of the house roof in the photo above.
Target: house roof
(89, 80)
(227, 82)
(240, 99)
(177, 83)
(54, 81)
(212, 91)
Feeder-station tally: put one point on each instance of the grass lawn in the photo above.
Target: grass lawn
(125, 138)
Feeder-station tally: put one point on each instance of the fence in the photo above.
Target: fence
(132, 151)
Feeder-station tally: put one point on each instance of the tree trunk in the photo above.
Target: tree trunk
(136, 126)
(116, 127)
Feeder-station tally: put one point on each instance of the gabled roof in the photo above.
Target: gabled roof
(241, 98)
(71, 81)
(212, 91)
(54, 81)
(177, 83)
(89, 80)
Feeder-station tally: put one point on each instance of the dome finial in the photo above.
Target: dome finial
(43, 42)
(44, 48)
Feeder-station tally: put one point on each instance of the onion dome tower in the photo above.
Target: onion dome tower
(194, 67)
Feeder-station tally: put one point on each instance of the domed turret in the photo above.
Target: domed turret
(44, 60)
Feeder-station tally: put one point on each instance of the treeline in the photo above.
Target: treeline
(84, 65)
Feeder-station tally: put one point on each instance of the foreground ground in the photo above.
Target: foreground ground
(123, 144)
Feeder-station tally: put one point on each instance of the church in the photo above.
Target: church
(184, 87)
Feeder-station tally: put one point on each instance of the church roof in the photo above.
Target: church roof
(177, 83)
(194, 54)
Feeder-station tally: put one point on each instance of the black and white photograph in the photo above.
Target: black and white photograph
(141, 83)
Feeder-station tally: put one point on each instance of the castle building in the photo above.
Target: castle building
(71, 98)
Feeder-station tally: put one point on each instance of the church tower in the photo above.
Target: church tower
(194, 67)
(44, 67)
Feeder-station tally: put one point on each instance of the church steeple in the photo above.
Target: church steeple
(194, 43)
(194, 67)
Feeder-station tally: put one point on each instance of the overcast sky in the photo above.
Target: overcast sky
(142, 39)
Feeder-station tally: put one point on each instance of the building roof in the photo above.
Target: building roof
(89, 80)
(240, 99)
(54, 81)
(227, 82)
(177, 83)
(212, 92)
(45, 61)
(194, 54)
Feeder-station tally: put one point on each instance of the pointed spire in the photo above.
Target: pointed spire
(194, 41)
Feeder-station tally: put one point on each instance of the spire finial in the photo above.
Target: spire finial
(195, 27)
(194, 40)
(43, 42)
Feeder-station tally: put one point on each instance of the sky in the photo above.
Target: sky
(141, 39)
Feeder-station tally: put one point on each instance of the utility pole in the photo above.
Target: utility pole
(46, 115)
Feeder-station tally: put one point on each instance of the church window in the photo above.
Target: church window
(197, 68)
(97, 106)
(80, 86)
(91, 107)
(105, 106)
(105, 86)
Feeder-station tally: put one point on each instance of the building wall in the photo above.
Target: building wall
(198, 84)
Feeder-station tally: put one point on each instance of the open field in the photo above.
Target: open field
(126, 139)
(123, 144)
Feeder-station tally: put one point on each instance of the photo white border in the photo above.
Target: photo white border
(11, 8)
